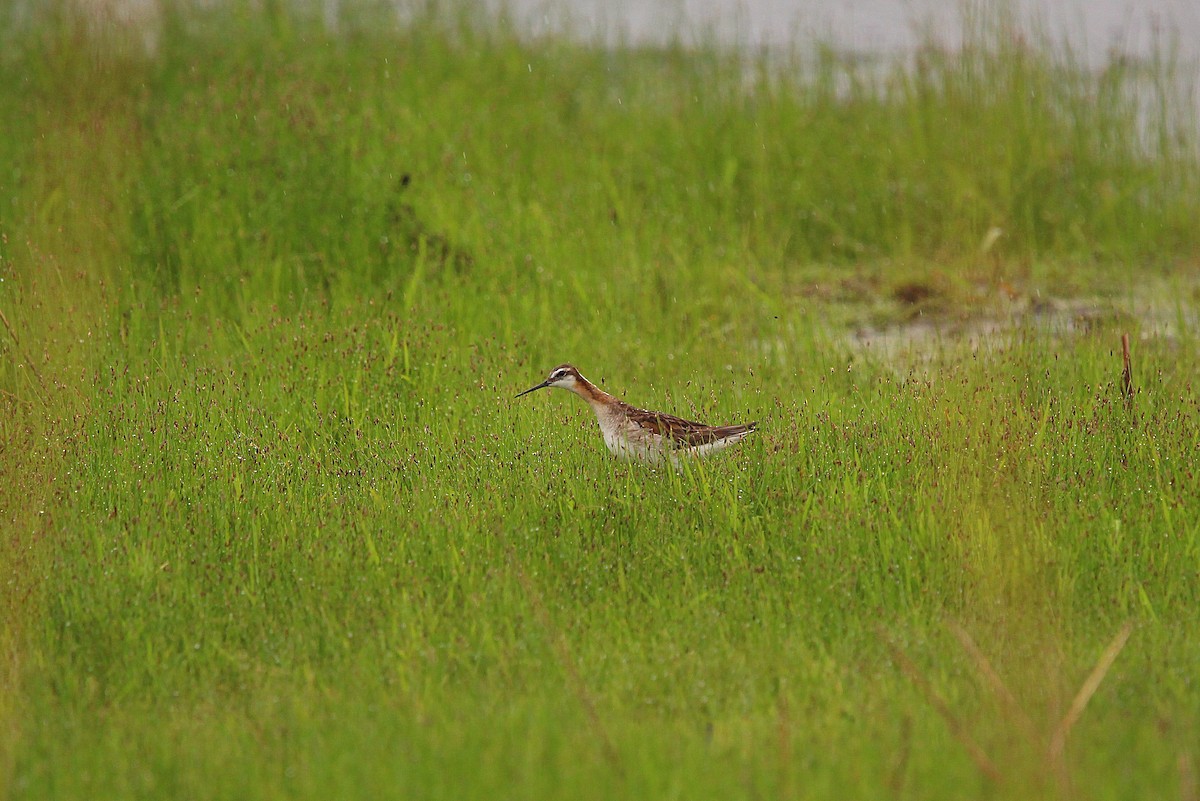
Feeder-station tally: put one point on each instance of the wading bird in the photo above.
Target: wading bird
(634, 433)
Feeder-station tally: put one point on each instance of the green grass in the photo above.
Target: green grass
(272, 527)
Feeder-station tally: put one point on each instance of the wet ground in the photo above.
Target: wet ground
(1162, 309)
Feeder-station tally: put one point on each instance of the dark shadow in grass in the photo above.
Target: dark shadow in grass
(409, 236)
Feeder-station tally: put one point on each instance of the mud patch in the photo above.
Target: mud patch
(1155, 310)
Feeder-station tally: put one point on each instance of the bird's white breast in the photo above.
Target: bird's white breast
(626, 439)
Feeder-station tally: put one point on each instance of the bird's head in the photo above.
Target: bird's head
(564, 377)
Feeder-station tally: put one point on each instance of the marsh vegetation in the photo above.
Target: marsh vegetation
(272, 526)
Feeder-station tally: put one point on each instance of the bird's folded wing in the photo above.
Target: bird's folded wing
(685, 433)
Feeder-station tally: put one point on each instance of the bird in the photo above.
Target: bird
(639, 434)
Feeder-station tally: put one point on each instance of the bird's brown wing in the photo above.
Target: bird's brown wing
(684, 433)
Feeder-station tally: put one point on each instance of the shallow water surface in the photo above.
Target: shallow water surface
(1094, 28)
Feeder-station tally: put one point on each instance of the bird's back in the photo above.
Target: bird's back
(629, 431)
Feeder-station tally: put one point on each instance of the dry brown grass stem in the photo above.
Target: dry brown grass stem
(973, 749)
(899, 767)
(1058, 742)
(1187, 779)
(993, 680)
(991, 677)
(1127, 371)
(562, 650)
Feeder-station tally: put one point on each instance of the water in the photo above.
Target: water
(1096, 29)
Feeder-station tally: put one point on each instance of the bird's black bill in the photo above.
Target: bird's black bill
(531, 389)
